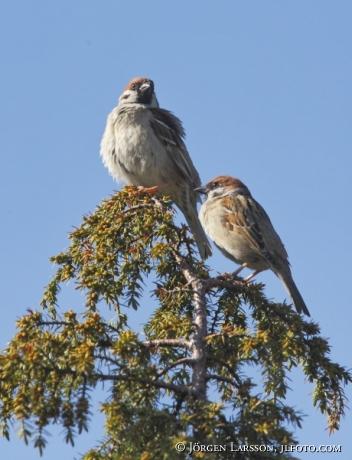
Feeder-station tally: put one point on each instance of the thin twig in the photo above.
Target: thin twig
(159, 203)
(222, 379)
(167, 343)
(154, 383)
(222, 362)
(176, 363)
(226, 334)
(55, 323)
(135, 208)
(173, 291)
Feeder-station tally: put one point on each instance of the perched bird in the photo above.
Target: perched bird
(242, 230)
(143, 146)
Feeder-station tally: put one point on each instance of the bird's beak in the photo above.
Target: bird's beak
(202, 190)
(144, 87)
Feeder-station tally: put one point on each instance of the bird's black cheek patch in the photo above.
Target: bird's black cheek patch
(145, 97)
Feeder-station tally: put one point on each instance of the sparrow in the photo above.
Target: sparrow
(143, 146)
(242, 230)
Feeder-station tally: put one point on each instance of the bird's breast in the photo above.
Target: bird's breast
(134, 154)
(227, 236)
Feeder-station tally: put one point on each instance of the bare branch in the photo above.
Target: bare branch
(219, 282)
(190, 277)
(200, 322)
(208, 283)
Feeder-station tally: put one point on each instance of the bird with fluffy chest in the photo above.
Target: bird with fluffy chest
(143, 146)
(242, 230)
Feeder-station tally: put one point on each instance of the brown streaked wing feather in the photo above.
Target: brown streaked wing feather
(168, 129)
(170, 122)
(245, 215)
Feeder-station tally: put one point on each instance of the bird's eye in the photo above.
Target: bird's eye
(215, 185)
(133, 86)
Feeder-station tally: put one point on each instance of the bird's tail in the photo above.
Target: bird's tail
(290, 286)
(203, 244)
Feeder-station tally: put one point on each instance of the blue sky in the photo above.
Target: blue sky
(264, 91)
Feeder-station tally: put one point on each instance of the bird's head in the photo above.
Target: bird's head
(222, 185)
(140, 90)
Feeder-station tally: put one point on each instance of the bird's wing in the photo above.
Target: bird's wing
(246, 217)
(168, 129)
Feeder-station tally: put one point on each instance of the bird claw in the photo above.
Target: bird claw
(150, 190)
(251, 277)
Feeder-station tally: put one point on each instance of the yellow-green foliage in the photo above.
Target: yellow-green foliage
(57, 358)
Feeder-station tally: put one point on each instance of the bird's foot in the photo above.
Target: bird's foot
(251, 277)
(151, 190)
(236, 272)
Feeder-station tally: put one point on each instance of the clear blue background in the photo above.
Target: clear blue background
(264, 91)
